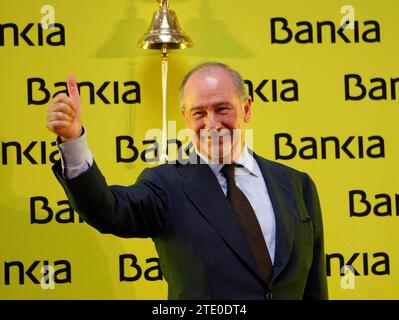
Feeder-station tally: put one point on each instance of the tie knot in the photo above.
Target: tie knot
(228, 171)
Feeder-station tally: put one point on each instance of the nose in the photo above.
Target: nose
(212, 121)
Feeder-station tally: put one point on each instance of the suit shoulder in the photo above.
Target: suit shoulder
(299, 179)
(291, 171)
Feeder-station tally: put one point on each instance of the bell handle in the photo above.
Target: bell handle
(161, 3)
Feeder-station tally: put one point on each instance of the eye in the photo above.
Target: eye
(198, 114)
(223, 109)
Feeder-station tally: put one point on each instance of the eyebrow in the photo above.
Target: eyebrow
(218, 104)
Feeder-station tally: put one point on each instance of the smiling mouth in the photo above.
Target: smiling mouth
(214, 136)
(217, 140)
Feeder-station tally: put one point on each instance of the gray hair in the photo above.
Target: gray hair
(235, 76)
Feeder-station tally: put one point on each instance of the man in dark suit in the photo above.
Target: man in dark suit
(226, 225)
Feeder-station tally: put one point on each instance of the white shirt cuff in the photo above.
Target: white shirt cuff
(76, 157)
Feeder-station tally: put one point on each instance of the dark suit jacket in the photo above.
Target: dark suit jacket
(203, 253)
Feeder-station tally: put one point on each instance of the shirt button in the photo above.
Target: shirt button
(269, 295)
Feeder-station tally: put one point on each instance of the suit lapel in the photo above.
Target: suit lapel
(203, 189)
(282, 199)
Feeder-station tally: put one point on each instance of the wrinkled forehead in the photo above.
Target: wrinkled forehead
(208, 83)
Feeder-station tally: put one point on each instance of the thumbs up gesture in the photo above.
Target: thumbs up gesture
(64, 113)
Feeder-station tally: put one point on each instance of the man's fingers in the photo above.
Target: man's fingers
(73, 92)
(61, 97)
(62, 107)
(57, 124)
(63, 113)
(61, 102)
(59, 116)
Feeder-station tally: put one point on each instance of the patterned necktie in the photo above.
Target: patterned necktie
(249, 223)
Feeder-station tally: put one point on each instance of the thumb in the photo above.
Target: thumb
(73, 92)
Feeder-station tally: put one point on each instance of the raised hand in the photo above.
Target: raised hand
(64, 113)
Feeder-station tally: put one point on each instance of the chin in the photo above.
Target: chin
(220, 155)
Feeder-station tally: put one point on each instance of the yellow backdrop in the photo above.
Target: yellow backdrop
(324, 80)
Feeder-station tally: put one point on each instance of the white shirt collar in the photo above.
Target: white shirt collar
(246, 161)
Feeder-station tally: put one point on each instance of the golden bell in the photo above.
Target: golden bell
(164, 32)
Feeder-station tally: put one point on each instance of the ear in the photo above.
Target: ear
(184, 114)
(247, 109)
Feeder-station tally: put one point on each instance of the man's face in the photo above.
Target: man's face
(216, 114)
